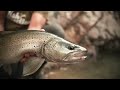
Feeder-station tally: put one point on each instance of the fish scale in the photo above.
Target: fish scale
(14, 44)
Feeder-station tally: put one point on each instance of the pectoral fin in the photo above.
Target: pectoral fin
(32, 65)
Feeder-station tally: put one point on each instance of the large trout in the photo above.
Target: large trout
(41, 46)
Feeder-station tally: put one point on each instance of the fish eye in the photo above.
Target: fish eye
(71, 47)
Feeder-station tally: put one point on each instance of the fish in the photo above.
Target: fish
(42, 46)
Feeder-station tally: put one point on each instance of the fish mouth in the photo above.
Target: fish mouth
(75, 57)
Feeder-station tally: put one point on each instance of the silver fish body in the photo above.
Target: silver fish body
(46, 46)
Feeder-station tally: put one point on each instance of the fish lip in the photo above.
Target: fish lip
(75, 57)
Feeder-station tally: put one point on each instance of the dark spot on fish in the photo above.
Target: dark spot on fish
(34, 46)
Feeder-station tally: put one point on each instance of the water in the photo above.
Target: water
(106, 67)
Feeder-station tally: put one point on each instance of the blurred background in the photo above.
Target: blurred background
(99, 32)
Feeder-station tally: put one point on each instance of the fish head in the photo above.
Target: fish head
(60, 50)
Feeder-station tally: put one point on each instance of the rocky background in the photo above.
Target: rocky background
(90, 28)
(99, 32)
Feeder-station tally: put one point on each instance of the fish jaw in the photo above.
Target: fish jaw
(71, 58)
(75, 57)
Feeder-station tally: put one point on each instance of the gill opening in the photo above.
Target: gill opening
(42, 50)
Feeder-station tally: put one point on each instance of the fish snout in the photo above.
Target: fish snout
(83, 49)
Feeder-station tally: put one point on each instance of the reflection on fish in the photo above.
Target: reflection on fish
(45, 46)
